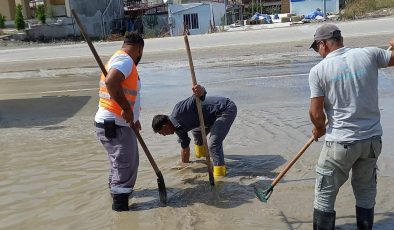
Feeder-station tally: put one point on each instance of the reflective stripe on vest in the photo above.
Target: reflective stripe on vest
(129, 86)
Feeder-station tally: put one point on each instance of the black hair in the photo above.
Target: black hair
(158, 121)
(336, 36)
(134, 39)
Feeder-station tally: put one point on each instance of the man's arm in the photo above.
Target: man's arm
(184, 140)
(185, 155)
(391, 63)
(113, 82)
(317, 116)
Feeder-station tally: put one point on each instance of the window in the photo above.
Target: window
(191, 21)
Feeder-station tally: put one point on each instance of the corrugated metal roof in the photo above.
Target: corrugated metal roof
(182, 7)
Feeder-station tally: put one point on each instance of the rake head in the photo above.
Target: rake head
(263, 195)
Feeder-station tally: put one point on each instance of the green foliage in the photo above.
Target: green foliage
(2, 21)
(384, 3)
(355, 8)
(40, 13)
(19, 21)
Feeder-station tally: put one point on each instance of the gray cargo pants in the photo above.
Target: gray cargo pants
(218, 131)
(336, 160)
(123, 159)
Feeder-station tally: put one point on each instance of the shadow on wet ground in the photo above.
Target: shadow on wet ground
(386, 223)
(44, 111)
(228, 193)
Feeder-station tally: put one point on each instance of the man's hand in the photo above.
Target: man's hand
(392, 43)
(137, 125)
(128, 115)
(185, 155)
(317, 133)
(198, 90)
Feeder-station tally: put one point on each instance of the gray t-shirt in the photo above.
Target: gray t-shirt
(348, 80)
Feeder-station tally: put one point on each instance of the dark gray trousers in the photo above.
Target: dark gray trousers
(123, 159)
(218, 131)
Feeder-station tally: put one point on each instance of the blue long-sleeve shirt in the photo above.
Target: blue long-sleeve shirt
(185, 116)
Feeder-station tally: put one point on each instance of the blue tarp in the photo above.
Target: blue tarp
(314, 14)
(264, 17)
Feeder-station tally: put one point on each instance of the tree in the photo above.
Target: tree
(19, 21)
(2, 21)
(40, 13)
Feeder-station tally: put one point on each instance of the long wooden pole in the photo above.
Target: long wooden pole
(200, 115)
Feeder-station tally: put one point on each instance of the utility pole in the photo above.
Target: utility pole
(225, 12)
(261, 8)
(325, 9)
(252, 8)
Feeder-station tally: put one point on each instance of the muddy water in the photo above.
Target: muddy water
(53, 170)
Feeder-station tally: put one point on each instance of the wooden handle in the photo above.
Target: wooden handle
(145, 148)
(291, 163)
(101, 65)
(199, 110)
(390, 48)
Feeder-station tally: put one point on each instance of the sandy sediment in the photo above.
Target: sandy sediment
(54, 171)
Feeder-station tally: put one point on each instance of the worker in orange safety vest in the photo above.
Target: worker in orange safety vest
(119, 106)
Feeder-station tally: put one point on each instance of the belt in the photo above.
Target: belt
(99, 125)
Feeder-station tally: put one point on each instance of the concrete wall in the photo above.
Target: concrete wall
(7, 8)
(49, 31)
(90, 13)
(88, 8)
(306, 6)
(56, 8)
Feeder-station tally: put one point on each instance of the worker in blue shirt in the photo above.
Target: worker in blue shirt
(219, 114)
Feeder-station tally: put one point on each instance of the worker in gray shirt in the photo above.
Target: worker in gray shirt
(344, 90)
(219, 114)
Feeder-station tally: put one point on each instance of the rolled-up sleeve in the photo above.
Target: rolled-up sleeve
(183, 139)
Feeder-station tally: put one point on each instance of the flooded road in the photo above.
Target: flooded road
(54, 172)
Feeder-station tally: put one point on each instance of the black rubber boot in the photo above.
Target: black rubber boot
(323, 220)
(364, 218)
(120, 202)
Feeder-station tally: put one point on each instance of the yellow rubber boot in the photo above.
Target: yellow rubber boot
(199, 150)
(219, 171)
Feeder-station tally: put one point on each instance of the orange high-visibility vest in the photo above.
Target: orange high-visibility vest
(129, 85)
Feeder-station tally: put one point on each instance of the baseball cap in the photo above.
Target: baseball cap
(325, 32)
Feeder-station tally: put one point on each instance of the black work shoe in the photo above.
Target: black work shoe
(120, 202)
(323, 220)
(364, 218)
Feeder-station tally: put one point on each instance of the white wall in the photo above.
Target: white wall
(306, 6)
(204, 15)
